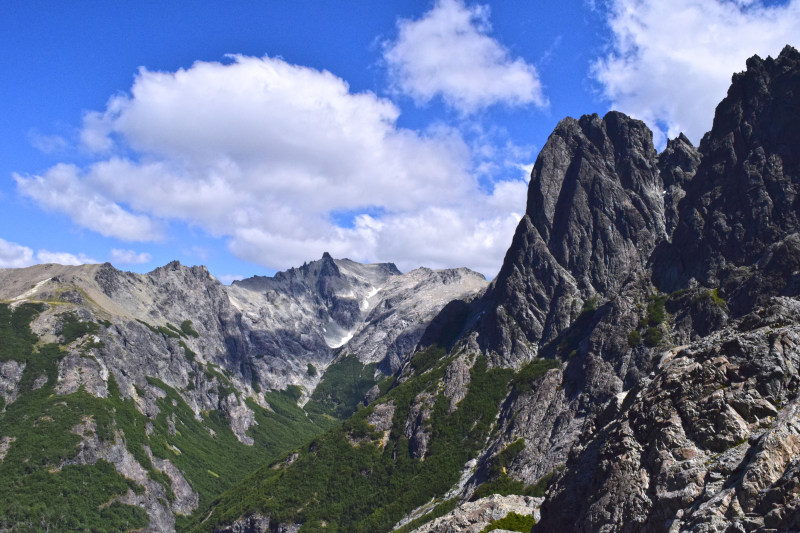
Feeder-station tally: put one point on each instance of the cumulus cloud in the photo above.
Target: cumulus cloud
(13, 255)
(449, 53)
(268, 155)
(670, 63)
(129, 257)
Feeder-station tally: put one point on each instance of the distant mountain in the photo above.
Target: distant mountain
(164, 388)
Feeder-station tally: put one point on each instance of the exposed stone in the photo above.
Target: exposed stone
(417, 428)
(10, 374)
(473, 517)
(5, 445)
(75, 371)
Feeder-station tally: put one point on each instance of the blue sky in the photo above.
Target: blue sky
(253, 136)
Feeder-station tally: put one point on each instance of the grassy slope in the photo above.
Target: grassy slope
(365, 488)
(343, 386)
(35, 494)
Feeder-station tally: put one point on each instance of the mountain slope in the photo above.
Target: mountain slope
(642, 373)
(165, 388)
(708, 440)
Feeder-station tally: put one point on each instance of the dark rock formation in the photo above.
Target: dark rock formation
(595, 212)
(743, 198)
(708, 440)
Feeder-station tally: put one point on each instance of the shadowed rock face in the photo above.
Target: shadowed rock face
(743, 198)
(595, 212)
(708, 440)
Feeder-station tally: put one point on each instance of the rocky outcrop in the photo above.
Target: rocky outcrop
(75, 371)
(707, 443)
(677, 165)
(417, 429)
(153, 499)
(742, 199)
(10, 374)
(474, 517)
(5, 445)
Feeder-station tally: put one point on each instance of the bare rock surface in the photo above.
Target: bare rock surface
(10, 374)
(473, 517)
(705, 444)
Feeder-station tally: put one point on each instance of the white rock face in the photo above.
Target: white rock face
(473, 517)
(398, 314)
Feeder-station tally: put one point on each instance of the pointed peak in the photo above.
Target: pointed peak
(326, 255)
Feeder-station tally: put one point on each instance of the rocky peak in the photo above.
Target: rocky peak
(677, 165)
(595, 212)
(678, 162)
(595, 198)
(743, 196)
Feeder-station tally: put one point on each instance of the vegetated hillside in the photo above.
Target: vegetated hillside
(634, 362)
(130, 401)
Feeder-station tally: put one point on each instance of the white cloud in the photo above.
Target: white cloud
(48, 144)
(265, 154)
(227, 279)
(129, 257)
(671, 62)
(449, 52)
(63, 189)
(63, 258)
(13, 255)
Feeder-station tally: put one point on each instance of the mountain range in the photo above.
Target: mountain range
(632, 367)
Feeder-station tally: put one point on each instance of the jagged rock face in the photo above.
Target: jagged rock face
(374, 312)
(595, 212)
(677, 165)
(743, 197)
(408, 303)
(302, 315)
(709, 442)
(595, 198)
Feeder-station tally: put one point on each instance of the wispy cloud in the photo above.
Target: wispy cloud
(129, 257)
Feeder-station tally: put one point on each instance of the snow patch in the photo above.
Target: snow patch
(365, 303)
(341, 342)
